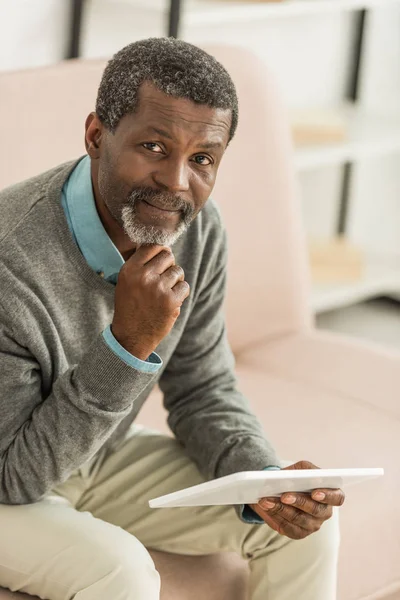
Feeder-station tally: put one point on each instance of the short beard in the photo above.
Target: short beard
(149, 234)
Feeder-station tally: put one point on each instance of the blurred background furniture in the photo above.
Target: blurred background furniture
(335, 58)
(320, 396)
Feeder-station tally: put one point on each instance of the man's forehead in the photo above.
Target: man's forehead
(157, 109)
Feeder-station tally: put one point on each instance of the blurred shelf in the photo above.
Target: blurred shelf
(207, 12)
(210, 12)
(378, 280)
(368, 136)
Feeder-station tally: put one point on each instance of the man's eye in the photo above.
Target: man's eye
(152, 146)
(203, 160)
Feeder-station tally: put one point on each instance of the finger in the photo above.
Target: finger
(329, 496)
(291, 514)
(281, 525)
(302, 464)
(172, 275)
(266, 518)
(161, 262)
(146, 252)
(181, 290)
(305, 503)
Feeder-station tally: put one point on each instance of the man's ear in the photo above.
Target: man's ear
(93, 135)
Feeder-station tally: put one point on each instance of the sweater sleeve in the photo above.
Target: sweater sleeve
(207, 412)
(43, 440)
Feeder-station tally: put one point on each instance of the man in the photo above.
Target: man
(113, 276)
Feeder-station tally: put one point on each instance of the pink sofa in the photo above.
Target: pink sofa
(321, 397)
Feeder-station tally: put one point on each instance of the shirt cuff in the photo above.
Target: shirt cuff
(151, 365)
(247, 513)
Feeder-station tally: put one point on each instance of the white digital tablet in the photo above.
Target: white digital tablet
(248, 487)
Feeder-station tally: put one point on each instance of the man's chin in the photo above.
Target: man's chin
(152, 235)
(145, 233)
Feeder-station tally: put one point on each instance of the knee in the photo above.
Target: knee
(124, 570)
(134, 569)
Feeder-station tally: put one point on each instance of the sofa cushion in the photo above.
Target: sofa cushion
(332, 430)
(363, 371)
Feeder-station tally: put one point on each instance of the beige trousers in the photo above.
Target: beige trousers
(87, 540)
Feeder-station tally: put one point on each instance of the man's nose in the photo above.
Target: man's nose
(172, 175)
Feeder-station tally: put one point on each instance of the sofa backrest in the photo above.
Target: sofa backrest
(268, 283)
(43, 112)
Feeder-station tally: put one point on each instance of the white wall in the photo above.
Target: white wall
(32, 32)
(380, 84)
(109, 26)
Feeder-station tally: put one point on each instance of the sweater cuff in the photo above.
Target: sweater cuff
(151, 365)
(246, 513)
(107, 382)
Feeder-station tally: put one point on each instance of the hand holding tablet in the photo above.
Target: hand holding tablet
(294, 501)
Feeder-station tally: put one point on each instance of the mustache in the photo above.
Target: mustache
(163, 199)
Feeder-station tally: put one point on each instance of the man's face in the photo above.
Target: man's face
(156, 172)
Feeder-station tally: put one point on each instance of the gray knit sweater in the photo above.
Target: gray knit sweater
(64, 393)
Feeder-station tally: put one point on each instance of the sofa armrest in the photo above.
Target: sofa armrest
(362, 371)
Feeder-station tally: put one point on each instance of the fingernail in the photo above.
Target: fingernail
(266, 504)
(319, 496)
(289, 499)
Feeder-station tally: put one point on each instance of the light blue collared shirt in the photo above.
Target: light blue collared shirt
(100, 253)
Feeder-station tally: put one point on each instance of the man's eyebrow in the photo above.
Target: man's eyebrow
(210, 145)
(162, 132)
(202, 145)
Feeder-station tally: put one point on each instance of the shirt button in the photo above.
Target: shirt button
(101, 273)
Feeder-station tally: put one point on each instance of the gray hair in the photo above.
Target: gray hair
(175, 67)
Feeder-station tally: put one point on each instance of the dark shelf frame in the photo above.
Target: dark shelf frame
(75, 25)
(352, 95)
(174, 18)
(75, 29)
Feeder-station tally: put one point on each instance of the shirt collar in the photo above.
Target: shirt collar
(93, 241)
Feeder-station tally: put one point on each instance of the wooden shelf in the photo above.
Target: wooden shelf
(368, 136)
